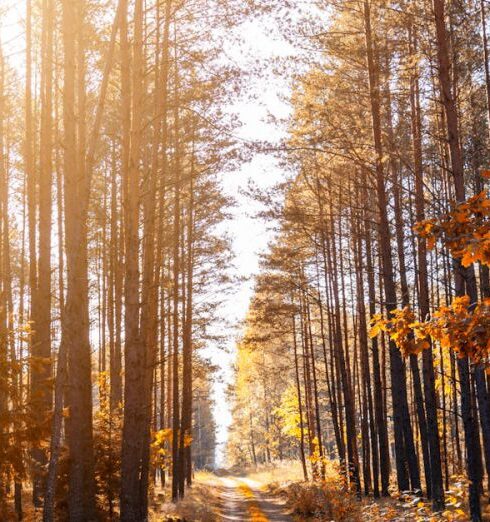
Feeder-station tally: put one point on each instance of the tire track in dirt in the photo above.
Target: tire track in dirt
(244, 502)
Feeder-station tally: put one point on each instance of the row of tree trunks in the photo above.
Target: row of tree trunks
(404, 445)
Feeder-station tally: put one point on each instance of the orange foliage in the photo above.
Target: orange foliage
(459, 326)
(465, 230)
(463, 328)
(409, 335)
(329, 499)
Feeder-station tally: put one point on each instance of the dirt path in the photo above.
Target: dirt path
(243, 501)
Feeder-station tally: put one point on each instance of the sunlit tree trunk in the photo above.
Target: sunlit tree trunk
(177, 468)
(135, 356)
(41, 389)
(31, 184)
(185, 453)
(75, 327)
(300, 402)
(437, 488)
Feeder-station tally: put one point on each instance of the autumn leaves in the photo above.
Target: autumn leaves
(462, 325)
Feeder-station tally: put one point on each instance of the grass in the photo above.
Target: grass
(201, 502)
(309, 501)
(277, 474)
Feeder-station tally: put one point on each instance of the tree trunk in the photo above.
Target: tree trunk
(404, 445)
(469, 422)
(135, 356)
(75, 327)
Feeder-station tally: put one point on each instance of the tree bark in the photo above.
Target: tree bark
(75, 327)
(469, 421)
(404, 445)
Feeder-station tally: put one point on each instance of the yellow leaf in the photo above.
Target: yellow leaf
(374, 331)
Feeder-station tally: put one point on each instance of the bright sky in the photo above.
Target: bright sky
(250, 235)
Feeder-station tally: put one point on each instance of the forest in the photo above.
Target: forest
(360, 382)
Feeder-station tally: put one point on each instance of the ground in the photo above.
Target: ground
(260, 496)
(232, 496)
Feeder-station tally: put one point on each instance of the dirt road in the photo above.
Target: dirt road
(244, 501)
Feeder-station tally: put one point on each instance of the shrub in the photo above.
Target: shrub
(323, 501)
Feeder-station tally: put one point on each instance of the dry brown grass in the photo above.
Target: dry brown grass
(323, 502)
(313, 501)
(273, 476)
(201, 502)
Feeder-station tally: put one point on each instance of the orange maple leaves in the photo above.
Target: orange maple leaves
(465, 230)
(462, 326)
(456, 326)
(407, 333)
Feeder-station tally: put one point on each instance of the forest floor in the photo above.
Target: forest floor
(280, 495)
(227, 497)
(231, 496)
